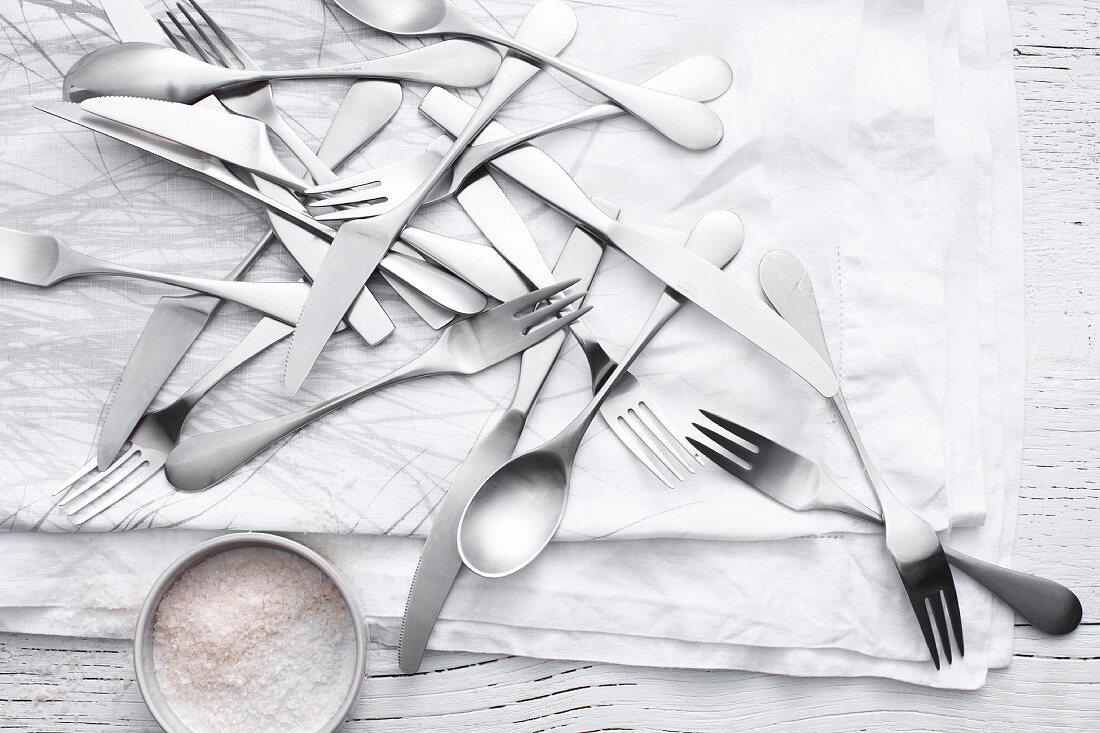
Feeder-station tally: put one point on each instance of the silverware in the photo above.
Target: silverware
(439, 561)
(630, 410)
(366, 317)
(800, 483)
(169, 74)
(234, 139)
(514, 514)
(155, 435)
(699, 77)
(911, 542)
(685, 272)
(176, 321)
(254, 101)
(685, 122)
(358, 245)
(466, 347)
(43, 260)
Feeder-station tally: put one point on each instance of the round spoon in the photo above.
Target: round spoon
(148, 70)
(685, 122)
(514, 514)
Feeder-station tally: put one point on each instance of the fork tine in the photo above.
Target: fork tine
(661, 417)
(630, 439)
(545, 313)
(660, 430)
(190, 39)
(753, 438)
(951, 598)
(202, 34)
(725, 463)
(632, 420)
(936, 603)
(529, 299)
(355, 196)
(118, 477)
(142, 473)
(74, 492)
(80, 473)
(234, 49)
(921, 610)
(746, 455)
(171, 36)
(538, 333)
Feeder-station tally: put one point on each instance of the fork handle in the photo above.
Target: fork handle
(1048, 606)
(200, 462)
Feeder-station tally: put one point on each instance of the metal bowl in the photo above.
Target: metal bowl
(143, 636)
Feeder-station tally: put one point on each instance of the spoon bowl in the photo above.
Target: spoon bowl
(408, 17)
(527, 496)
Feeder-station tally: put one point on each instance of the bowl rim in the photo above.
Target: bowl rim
(144, 669)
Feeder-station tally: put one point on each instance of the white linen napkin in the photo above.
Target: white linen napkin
(380, 466)
(663, 627)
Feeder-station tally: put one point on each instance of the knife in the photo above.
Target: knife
(683, 271)
(439, 561)
(360, 243)
(176, 321)
(241, 141)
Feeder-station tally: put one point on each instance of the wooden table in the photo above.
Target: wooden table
(58, 684)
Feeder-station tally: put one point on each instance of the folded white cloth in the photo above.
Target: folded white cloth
(380, 466)
(696, 604)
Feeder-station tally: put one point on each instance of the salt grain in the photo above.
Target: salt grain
(255, 640)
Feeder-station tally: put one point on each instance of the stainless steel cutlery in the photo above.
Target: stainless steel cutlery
(911, 541)
(464, 348)
(514, 514)
(700, 77)
(683, 121)
(171, 75)
(440, 562)
(360, 244)
(801, 484)
(683, 271)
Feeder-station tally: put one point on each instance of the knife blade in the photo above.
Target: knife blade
(439, 562)
(682, 270)
(241, 141)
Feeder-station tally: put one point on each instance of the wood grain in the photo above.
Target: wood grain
(49, 684)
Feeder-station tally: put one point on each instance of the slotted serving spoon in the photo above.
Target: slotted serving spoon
(685, 122)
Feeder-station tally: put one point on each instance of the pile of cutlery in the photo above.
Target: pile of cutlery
(199, 100)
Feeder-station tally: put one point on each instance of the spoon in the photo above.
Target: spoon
(685, 122)
(173, 76)
(699, 77)
(516, 511)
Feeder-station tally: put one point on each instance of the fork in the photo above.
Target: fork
(466, 347)
(155, 435)
(911, 541)
(255, 101)
(800, 483)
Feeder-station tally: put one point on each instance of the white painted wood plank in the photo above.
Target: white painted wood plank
(71, 685)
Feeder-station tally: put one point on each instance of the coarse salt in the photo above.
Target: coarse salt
(254, 639)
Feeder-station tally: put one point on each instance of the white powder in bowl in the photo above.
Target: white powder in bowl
(254, 639)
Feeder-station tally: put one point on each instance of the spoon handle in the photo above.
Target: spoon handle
(686, 122)
(280, 300)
